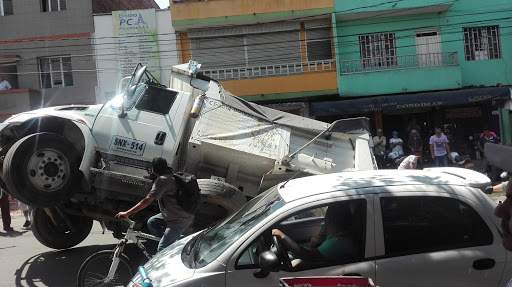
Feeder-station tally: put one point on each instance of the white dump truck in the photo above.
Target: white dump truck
(80, 163)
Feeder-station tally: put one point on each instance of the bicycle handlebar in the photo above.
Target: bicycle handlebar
(130, 222)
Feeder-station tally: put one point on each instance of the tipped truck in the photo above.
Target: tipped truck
(80, 163)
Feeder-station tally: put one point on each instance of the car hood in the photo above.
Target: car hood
(166, 267)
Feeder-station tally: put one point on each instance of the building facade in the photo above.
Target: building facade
(108, 54)
(46, 52)
(423, 64)
(278, 52)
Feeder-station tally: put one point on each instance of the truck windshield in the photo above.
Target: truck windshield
(218, 239)
(117, 101)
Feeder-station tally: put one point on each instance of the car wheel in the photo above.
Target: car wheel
(42, 170)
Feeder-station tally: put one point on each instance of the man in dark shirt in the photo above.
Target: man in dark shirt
(488, 137)
(172, 218)
(415, 143)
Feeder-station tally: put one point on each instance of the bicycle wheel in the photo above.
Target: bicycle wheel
(95, 269)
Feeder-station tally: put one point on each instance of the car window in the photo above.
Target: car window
(224, 234)
(156, 100)
(315, 212)
(418, 224)
(307, 228)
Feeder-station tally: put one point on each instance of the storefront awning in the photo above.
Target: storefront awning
(411, 101)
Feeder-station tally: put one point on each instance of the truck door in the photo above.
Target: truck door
(145, 128)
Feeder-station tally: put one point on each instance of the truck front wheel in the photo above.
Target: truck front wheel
(42, 169)
(218, 200)
(54, 231)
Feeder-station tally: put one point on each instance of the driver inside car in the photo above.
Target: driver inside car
(334, 242)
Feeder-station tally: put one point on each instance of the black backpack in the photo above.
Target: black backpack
(188, 191)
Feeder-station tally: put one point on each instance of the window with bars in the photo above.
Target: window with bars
(6, 7)
(481, 43)
(318, 44)
(53, 5)
(56, 72)
(377, 50)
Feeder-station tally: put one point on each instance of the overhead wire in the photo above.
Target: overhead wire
(339, 44)
(212, 29)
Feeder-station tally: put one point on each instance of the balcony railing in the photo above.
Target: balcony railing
(270, 70)
(402, 62)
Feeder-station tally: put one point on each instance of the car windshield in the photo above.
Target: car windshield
(218, 239)
(117, 101)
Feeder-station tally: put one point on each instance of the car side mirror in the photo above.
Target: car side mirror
(268, 263)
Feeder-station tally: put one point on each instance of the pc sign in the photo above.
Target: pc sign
(136, 34)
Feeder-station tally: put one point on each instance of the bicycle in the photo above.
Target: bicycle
(93, 271)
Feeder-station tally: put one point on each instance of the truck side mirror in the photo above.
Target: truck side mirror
(131, 92)
(268, 263)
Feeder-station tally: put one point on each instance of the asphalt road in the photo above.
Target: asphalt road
(26, 262)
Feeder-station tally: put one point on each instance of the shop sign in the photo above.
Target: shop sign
(461, 113)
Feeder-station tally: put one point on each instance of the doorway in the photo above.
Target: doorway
(428, 48)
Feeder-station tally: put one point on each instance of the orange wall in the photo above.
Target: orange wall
(183, 48)
(223, 8)
(311, 81)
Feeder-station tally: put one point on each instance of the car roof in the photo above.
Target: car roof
(358, 182)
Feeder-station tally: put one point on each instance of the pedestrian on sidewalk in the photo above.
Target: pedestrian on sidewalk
(379, 147)
(4, 85)
(410, 162)
(26, 213)
(415, 143)
(395, 144)
(488, 137)
(6, 211)
(439, 148)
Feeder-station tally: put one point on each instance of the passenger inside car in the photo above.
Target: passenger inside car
(335, 239)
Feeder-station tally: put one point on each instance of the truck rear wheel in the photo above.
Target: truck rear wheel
(42, 169)
(57, 233)
(218, 200)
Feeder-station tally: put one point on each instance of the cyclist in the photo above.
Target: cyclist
(172, 220)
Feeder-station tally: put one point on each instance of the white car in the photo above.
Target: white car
(432, 227)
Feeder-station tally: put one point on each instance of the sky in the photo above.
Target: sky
(162, 3)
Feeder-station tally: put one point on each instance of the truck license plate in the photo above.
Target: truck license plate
(127, 145)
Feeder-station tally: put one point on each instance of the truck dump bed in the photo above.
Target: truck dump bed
(243, 142)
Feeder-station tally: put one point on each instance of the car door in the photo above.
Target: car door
(435, 239)
(241, 268)
(146, 128)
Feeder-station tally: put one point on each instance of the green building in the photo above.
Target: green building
(426, 64)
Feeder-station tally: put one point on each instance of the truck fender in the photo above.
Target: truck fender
(75, 131)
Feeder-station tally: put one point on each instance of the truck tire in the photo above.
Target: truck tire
(218, 200)
(59, 236)
(42, 170)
